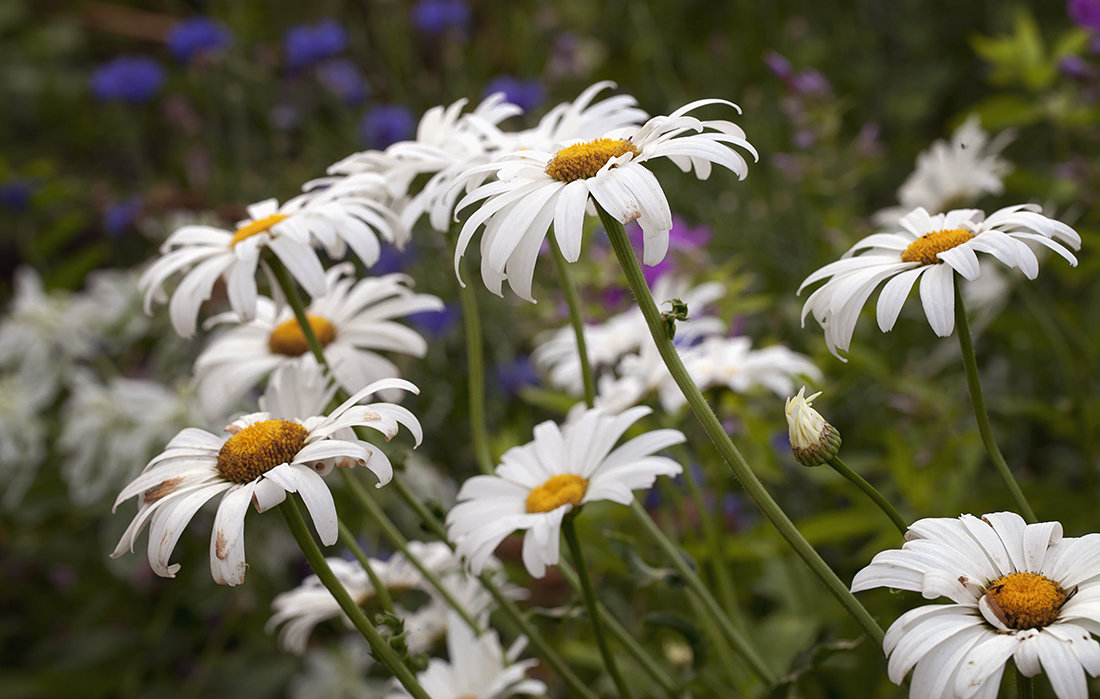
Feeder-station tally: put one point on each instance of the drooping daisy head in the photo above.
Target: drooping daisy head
(264, 456)
(477, 667)
(536, 188)
(1017, 590)
(931, 248)
(539, 483)
(354, 321)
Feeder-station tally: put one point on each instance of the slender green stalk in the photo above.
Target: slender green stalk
(381, 648)
(869, 490)
(970, 361)
(576, 320)
(380, 590)
(1025, 686)
(475, 378)
(576, 687)
(574, 543)
(294, 300)
(646, 661)
(737, 640)
(398, 540)
(721, 440)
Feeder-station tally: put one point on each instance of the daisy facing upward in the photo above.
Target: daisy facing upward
(1017, 590)
(539, 483)
(932, 249)
(353, 320)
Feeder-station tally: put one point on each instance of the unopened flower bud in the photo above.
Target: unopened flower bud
(813, 440)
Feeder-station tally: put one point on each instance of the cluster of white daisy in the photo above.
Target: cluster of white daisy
(1019, 590)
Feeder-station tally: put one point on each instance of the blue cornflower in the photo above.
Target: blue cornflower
(16, 193)
(121, 214)
(526, 94)
(191, 37)
(515, 374)
(306, 44)
(437, 16)
(127, 79)
(343, 78)
(435, 324)
(387, 124)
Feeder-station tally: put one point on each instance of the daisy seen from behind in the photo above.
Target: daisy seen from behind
(536, 188)
(931, 248)
(264, 456)
(354, 320)
(1020, 591)
(477, 668)
(539, 483)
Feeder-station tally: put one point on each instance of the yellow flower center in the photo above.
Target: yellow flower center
(925, 248)
(563, 489)
(287, 338)
(584, 160)
(250, 229)
(1026, 600)
(258, 448)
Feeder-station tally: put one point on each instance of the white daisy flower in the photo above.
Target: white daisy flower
(477, 668)
(624, 333)
(265, 456)
(714, 362)
(536, 188)
(583, 119)
(447, 141)
(353, 321)
(42, 334)
(932, 249)
(539, 483)
(1018, 591)
(299, 611)
(210, 254)
(23, 434)
(109, 429)
(955, 173)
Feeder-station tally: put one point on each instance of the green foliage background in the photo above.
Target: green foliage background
(901, 73)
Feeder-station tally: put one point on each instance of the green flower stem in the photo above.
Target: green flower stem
(1025, 686)
(475, 378)
(398, 540)
(381, 648)
(380, 590)
(590, 602)
(644, 659)
(970, 361)
(721, 440)
(869, 490)
(294, 300)
(737, 640)
(575, 319)
(576, 687)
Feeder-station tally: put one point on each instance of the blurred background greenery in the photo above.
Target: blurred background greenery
(101, 160)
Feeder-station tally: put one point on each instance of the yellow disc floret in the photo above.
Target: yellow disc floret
(925, 248)
(255, 227)
(287, 338)
(584, 160)
(1026, 600)
(258, 448)
(563, 489)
